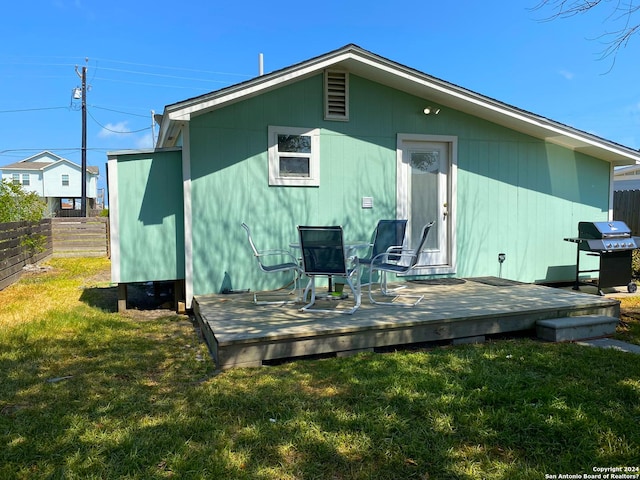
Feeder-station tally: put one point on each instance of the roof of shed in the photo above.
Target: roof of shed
(379, 69)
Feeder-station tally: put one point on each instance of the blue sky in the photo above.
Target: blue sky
(144, 55)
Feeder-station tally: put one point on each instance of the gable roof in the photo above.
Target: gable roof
(379, 69)
(31, 163)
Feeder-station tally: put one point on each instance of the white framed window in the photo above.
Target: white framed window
(15, 178)
(65, 180)
(25, 179)
(294, 156)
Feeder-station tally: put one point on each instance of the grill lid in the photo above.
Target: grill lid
(613, 229)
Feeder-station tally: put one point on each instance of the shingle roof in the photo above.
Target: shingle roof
(28, 164)
(387, 72)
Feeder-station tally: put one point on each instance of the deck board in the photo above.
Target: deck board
(240, 333)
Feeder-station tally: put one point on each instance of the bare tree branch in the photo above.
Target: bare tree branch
(620, 14)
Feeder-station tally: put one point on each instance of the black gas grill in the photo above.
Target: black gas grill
(613, 243)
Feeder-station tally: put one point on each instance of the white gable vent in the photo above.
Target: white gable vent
(336, 95)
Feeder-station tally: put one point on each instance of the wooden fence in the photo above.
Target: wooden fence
(60, 237)
(22, 243)
(626, 207)
(80, 237)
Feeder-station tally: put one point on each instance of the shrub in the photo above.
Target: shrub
(17, 205)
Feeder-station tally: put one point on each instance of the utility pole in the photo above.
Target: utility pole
(83, 199)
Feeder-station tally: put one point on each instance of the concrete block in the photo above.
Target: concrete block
(569, 329)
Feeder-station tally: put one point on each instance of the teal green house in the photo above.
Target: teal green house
(348, 138)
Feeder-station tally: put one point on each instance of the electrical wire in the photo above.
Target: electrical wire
(147, 84)
(115, 131)
(97, 68)
(118, 111)
(176, 68)
(34, 109)
(176, 77)
(11, 61)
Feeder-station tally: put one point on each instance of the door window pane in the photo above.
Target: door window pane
(425, 194)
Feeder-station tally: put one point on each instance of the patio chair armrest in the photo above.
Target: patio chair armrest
(279, 253)
(353, 265)
(275, 251)
(384, 256)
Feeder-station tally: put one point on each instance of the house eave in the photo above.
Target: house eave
(368, 65)
(144, 151)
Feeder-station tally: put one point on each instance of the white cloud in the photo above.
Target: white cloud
(112, 129)
(566, 74)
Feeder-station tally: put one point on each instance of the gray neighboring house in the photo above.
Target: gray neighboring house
(57, 180)
(627, 178)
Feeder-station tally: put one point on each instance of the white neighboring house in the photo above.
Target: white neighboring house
(627, 178)
(55, 179)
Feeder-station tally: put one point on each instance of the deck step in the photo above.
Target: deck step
(581, 327)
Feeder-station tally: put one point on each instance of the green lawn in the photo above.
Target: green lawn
(86, 393)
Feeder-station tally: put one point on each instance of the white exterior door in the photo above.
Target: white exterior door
(426, 170)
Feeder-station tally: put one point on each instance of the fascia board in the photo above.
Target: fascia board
(168, 130)
(369, 65)
(500, 113)
(257, 86)
(62, 160)
(114, 154)
(42, 154)
(30, 167)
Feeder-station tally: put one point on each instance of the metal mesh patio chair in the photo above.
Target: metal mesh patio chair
(323, 254)
(388, 235)
(398, 262)
(275, 261)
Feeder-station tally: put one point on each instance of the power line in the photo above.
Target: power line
(38, 109)
(33, 109)
(146, 84)
(115, 131)
(137, 72)
(163, 75)
(176, 68)
(122, 62)
(118, 111)
(51, 149)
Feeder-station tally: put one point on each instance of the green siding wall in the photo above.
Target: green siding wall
(516, 194)
(151, 217)
(522, 198)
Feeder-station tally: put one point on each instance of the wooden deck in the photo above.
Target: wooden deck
(241, 334)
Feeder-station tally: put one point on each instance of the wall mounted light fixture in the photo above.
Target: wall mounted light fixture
(431, 110)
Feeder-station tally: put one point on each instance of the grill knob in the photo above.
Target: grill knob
(616, 245)
(608, 245)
